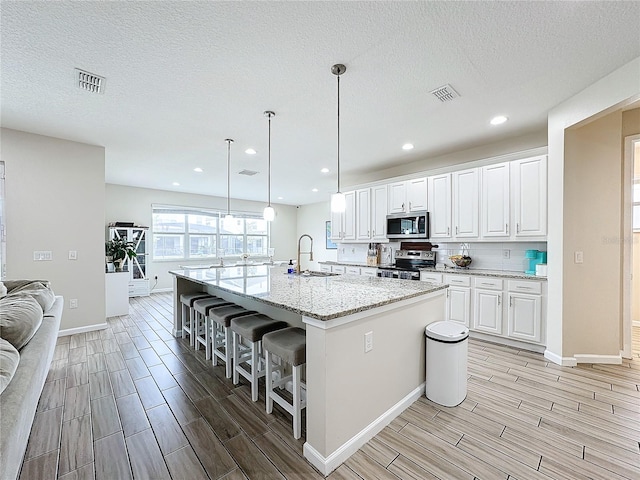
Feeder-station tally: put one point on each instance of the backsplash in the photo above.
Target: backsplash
(485, 255)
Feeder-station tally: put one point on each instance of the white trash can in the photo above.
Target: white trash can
(447, 344)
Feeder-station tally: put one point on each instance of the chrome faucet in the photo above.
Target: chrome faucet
(310, 252)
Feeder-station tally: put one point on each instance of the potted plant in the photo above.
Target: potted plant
(119, 249)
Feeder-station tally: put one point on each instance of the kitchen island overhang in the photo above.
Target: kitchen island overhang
(351, 394)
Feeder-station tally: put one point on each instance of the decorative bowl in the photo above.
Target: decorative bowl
(460, 260)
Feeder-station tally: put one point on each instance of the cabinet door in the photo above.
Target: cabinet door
(397, 197)
(379, 213)
(495, 200)
(458, 304)
(525, 316)
(337, 226)
(325, 268)
(439, 205)
(529, 196)
(338, 269)
(466, 203)
(417, 194)
(363, 214)
(487, 311)
(350, 216)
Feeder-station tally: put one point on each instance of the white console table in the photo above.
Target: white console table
(117, 293)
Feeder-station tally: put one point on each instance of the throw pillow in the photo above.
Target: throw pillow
(42, 293)
(20, 318)
(3, 289)
(9, 359)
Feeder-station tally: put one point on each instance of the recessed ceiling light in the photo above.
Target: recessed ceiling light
(314, 189)
(197, 169)
(498, 120)
(407, 146)
(280, 198)
(250, 151)
(175, 184)
(325, 170)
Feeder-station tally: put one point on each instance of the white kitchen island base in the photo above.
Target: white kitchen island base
(353, 395)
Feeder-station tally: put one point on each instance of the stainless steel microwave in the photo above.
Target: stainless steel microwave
(408, 225)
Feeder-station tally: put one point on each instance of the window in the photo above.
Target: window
(181, 233)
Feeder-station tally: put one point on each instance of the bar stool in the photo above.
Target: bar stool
(201, 327)
(290, 344)
(251, 329)
(221, 337)
(188, 313)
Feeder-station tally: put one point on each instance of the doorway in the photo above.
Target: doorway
(631, 242)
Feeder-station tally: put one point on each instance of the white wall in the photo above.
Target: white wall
(619, 88)
(55, 202)
(312, 220)
(131, 204)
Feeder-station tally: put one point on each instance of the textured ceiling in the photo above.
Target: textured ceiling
(183, 76)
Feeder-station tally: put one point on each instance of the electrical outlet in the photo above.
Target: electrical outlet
(73, 255)
(368, 342)
(73, 303)
(506, 253)
(578, 257)
(42, 255)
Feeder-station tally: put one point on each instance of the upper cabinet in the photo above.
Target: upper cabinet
(495, 200)
(466, 207)
(439, 206)
(529, 196)
(371, 214)
(363, 214)
(343, 225)
(408, 196)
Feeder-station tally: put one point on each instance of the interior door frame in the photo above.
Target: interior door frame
(627, 242)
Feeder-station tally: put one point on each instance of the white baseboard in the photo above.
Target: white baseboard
(605, 359)
(161, 290)
(558, 360)
(88, 328)
(326, 465)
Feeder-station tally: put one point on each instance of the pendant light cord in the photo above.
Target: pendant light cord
(229, 142)
(338, 133)
(269, 167)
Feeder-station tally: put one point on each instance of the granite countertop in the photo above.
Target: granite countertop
(485, 273)
(323, 298)
(348, 264)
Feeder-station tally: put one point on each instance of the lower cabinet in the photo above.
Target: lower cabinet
(525, 312)
(459, 304)
(487, 312)
(325, 268)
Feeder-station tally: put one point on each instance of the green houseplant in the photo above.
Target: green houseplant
(119, 249)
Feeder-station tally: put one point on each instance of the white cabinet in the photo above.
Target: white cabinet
(529, 196)
(343, 225)
(379, 213)
(325, 268)
(495, 200)
(408, 196)
(352, 270)
(136, 266)
(458, 303)
(371, 214)
(487, 314)
(431, 277)
(363, 214)
(338, 269)
(117, 293)
(466, 205)
(525, 311)
(439, 205)
(368, 271)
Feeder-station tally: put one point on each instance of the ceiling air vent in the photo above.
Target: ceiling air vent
(248, 173)
(89, 81)
(445, 93)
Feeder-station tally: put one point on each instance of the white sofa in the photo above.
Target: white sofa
(19, 399)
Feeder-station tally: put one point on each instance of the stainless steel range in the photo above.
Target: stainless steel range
(408, 262)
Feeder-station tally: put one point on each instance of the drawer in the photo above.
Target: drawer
(461, 280)
(338, 268)
(490, 283)
(431, 277)
(352, 270)
(369, 272)
(525, 286)
(325, 268)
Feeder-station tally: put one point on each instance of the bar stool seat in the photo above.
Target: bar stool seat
(201, 327)
(221, 333)
(251, 329)
(290, 345)
(188, 313)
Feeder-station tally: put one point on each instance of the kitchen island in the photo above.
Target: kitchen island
(351, 394)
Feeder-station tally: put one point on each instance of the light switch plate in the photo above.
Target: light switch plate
(73, 303)
(578, 257)
(368, 342)
(73, 255)
(42, 255)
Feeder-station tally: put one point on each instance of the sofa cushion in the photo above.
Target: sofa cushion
(42, 293)
(9, 359)
(20, 318)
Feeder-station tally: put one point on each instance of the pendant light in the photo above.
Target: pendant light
(269, 213)
(228, 217)
(337, 199)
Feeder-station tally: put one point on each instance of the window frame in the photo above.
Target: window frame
(186, 234)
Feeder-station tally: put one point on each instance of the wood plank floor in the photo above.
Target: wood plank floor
(131, 401)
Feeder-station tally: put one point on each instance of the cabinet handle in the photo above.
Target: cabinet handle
(510, 301)
(409, 206)
(521, 287)
(448, 231)
(447, 293)
(402, 205)
(518, 227)
(373, 233)
(487, 284)
(498, 299)
(506, 228)
(456, 230)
